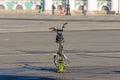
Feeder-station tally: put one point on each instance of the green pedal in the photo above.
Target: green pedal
(60, 66)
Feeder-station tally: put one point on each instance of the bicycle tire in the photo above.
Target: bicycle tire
(55, 59)
(59, 62)
(66, 61)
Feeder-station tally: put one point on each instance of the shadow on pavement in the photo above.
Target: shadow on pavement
(26, 67)
(48, 69)
(117, 72)
(12, 77)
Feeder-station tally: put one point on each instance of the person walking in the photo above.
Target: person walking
(53, 9)
(85, 10)
(61, 11)
(40, 9)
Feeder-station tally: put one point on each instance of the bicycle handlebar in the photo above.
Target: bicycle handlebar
(63, 26)
(56, 29)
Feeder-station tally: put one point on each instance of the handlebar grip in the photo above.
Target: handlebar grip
(65, 23)
(53, 28)
(63, 26)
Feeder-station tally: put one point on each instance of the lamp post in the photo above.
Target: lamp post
(67, 8)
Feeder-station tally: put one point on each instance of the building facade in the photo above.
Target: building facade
(75, 5)
(19, 4)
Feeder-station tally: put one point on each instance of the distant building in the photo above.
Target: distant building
(75, 5)
(19, 4)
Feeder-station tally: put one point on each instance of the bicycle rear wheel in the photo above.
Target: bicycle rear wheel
(66, 61)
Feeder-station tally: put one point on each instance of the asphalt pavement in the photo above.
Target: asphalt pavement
(91, 44)
(32, 22)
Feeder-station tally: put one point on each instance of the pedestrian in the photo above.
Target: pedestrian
(85, 10)
(61, 10)
(53, 9)
(39, 8)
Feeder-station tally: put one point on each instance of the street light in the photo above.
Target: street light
(67, 8)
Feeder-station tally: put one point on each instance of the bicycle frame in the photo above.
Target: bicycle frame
(62, 59)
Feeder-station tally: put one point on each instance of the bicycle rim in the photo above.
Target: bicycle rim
(56, 58)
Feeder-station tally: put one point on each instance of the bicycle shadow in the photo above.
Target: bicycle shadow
(117, 72)
(48, 69)
(15, 77)
(27, 67)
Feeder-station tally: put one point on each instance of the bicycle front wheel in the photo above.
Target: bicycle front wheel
(56, 58)
(59, 63)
